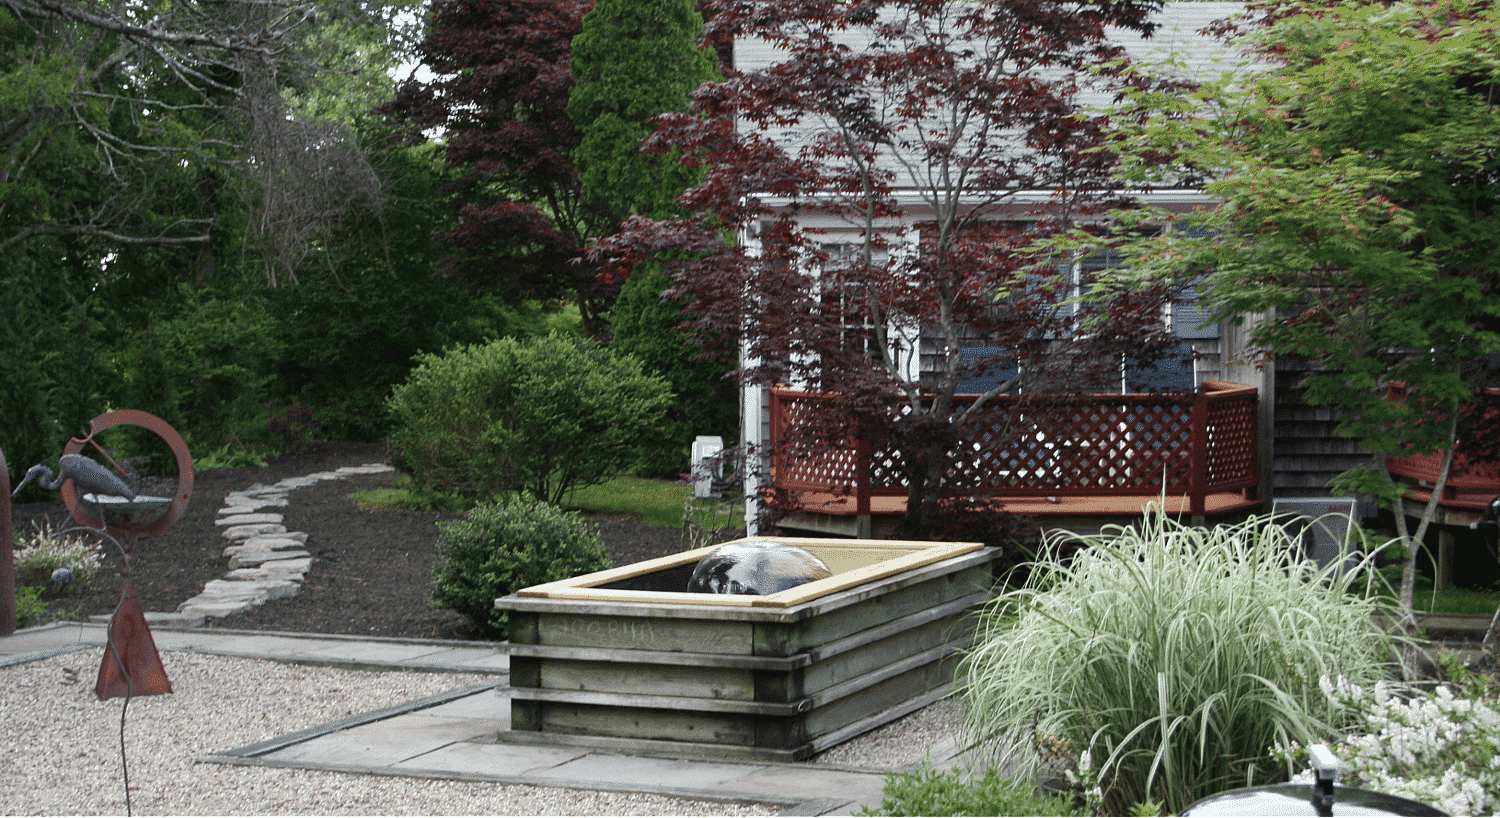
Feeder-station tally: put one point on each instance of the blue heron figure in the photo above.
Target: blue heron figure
(88, 476)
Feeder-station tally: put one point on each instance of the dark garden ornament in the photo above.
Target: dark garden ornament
(101, 502)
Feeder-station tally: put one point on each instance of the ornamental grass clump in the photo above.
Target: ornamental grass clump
(42, 552)
(1163, 662)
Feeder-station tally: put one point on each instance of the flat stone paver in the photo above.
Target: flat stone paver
(245, 532)
(498, 760)
(635, 771)
(385, 742)
(248, 519)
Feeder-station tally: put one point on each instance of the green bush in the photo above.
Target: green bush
(541, 415)
(30, 609)
(705, 397)
(945, 792)
(1163, 663)
(499, 548)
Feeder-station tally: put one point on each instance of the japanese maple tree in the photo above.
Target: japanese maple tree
(930, 144)
(500, 97)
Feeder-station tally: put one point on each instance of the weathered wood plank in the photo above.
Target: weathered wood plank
(697, 636)
(782, 664)
(648, 679)
(646, 723)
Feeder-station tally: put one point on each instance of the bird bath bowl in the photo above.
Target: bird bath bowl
(126, 505)
(625, 660)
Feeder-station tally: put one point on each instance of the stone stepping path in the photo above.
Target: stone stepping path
(266, 561)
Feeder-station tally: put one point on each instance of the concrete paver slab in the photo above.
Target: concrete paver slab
(374, 652)
(262, 646)
(779, 779)
(617, 771)
(477, 660)
(499, 760)
(33, 640)
(488, 705)
(385, 742)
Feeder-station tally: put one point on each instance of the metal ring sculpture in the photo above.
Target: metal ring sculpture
(174, 441)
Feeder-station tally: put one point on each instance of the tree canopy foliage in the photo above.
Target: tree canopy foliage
(937, 141)
(631, 61)
(165, 169)
(499, 97)
(1361, 185)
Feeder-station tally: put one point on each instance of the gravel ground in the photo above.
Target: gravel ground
(61, 753)
(902, 744)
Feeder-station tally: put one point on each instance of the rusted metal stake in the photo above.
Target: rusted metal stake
(7, 555)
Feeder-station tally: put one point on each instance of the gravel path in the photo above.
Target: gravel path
(61, 753)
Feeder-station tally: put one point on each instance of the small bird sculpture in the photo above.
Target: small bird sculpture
(88, 476)
(62, 576)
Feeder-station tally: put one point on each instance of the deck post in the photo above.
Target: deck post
(1198, 457)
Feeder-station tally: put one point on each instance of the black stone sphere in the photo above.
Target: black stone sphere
(755, 568)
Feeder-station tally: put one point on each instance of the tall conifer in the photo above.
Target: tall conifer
(633, 60)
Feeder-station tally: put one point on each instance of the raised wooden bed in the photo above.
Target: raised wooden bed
(624, 660)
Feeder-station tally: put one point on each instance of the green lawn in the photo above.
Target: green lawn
(653, 502)
(1454, 600)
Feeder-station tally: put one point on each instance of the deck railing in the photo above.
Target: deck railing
(1088, 445)
(1474, 477)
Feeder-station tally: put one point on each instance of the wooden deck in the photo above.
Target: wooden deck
(1087, 462)
(1472, 483)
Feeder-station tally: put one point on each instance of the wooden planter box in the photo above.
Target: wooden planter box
(623, 660)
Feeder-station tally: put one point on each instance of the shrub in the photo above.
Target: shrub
(1437, 747)
(43, 552)
(647, 327)
(945, 792)
(499, 548)
(1174, 657)
(30, 609)
(542, 415)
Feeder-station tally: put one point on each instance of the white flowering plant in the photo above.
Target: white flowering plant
(1440, 746)
(43, 551)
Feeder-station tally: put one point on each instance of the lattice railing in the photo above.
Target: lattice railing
(1472, 472)
(1193, 444)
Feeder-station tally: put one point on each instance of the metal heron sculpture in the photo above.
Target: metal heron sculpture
(88, 476)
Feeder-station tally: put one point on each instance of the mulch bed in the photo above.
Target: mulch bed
(371, 573)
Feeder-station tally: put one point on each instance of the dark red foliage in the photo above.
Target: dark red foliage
(950, 138)
(500, 99)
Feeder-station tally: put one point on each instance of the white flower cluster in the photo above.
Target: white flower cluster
(1434, 747)
(1086, 780)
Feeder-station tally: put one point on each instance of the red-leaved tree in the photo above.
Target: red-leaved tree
(500, 96)
(889, 168)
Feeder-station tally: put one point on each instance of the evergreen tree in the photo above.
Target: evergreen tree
(634, 60)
